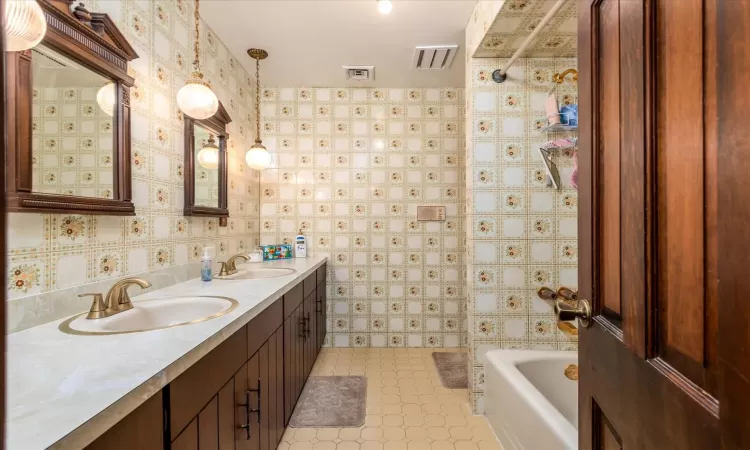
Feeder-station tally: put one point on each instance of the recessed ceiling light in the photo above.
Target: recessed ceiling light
(385, 6)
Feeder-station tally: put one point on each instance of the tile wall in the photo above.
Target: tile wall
(350, 168)
(51, 255)
(521, 234)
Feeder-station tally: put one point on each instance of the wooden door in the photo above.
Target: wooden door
(664, 364)
(271, 357)
(293, 360)
(308, 334)
(247, 428)
(142, 429)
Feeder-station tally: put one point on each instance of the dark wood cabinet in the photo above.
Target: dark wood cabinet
(142, 429)
(241, 395)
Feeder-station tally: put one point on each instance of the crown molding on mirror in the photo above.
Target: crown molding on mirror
(94, 42)
(217, 124)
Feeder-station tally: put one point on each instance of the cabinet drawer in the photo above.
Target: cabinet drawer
(292, 300)
(310, 283)
(192, 390)
(263, 325)
(321, 274)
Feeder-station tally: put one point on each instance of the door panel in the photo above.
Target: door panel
(208, 426)
(647, 225)
(188, 439)
(279, 399)
(226, 416)
(263, 390)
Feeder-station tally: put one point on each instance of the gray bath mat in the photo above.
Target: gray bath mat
(453, 369)
(331, 402)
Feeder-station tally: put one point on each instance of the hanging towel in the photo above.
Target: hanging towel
(550, 107)
(574, 175)
(560, 143)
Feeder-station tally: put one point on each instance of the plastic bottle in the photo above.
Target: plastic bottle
(300, 246)
(206, 266)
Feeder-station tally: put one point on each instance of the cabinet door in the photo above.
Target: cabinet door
(142, 429)
(264, 387)
(188, 439)
(277, 400)
(226, 418)
(293, 360)
(272, 386)
(320, 314)
(310, 332)
(246, 400)
(208, 426)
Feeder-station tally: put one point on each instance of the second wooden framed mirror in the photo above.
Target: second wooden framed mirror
(206, 165)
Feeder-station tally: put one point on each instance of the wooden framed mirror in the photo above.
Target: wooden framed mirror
(69, 116)
(206, 165)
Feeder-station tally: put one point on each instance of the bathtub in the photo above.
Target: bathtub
(529, 402)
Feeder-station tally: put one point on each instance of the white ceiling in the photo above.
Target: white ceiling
(309, 40)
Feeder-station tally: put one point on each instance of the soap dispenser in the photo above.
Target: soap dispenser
(300, 246)
(206, 268)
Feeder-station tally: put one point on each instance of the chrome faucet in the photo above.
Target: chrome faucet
(230, 267)
(117, 301)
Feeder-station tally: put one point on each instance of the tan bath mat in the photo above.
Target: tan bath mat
(453, 369)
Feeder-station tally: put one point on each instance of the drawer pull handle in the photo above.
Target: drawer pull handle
(319, 302)
(246, 426)
(307, 324)
(248, 396)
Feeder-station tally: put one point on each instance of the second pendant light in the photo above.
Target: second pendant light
(257, 157)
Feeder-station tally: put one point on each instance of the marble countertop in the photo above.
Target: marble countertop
(64, 391)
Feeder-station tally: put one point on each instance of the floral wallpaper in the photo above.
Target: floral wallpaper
(350, 167)
(521, 234)
(51, 252)
(72, 142)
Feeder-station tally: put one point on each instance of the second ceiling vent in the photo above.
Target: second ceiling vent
(434, 57)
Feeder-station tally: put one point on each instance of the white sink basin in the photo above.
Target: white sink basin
(153, 314)
(260, 272)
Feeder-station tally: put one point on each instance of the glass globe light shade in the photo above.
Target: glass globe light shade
(106, 99)
(258, 157)
(197, 100)
(385, 6)
(208, 156)
(25, 25)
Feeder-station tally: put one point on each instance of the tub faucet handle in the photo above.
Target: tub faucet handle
(566, 312)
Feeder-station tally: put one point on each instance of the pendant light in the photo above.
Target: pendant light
(257, 157)
(196, 99)
(25, 25)
(208, 156)
(385, 6)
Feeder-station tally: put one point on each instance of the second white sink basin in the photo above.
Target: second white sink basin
(153, 314)
(259, 273)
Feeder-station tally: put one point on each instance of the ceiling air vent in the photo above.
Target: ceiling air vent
(359, 73)
(434, 57)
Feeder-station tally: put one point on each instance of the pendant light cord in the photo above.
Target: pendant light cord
(197, 62)
(257, 101)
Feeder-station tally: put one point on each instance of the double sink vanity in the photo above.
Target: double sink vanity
(195, 365)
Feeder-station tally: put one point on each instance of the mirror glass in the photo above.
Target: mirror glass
(73, 120)
(206, 168)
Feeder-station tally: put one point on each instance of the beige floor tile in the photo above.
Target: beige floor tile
(304, 434)
(419, 445)
(442, 445)
(372, 434)
(350, 434)
(434, 420)
(397, 445)
(438, 433)
(414, 420)
(327, 434)
(411, 409)
(392, 420)
(324, 445)
(347, 445)
(301, 446)
(373, 420)
(393, 433)
(371, 445)
(416, 433)
(466, 445)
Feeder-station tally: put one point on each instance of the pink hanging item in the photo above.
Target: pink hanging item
(574, 175)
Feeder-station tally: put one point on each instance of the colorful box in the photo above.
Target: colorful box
(274, 252)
